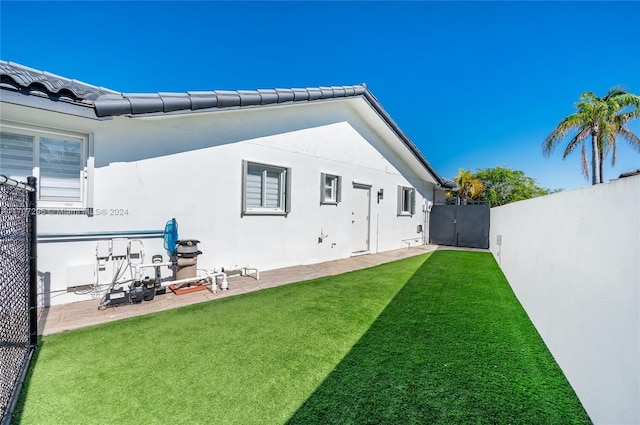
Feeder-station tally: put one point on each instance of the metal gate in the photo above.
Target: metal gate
(18, 280)
(460, 225)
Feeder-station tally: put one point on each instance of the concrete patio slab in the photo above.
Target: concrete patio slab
(86, 313)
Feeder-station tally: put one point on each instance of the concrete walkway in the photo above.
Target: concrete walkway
(85, 313)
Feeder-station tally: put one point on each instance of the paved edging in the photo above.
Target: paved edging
(81, 314)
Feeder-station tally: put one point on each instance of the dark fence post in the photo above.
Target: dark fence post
(33, 263)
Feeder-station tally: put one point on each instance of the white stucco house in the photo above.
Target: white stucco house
(264, 178)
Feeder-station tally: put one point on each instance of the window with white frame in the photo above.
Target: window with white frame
(57, 160)
(266, 189)
(406, 200)
(330, 189)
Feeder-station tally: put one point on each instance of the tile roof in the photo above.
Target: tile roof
(630, 174)
(44, 84)
(145, 103)
(108, 103)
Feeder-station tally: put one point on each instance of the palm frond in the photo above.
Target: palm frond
(615, 91)
(630, 137)
(626, 100)
(625, 117)
(587, 97)
(578, 139)
(568, 124)
(584, 164)
(607, 136)
(476, 187)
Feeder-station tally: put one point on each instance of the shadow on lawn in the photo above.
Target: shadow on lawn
(453, 346)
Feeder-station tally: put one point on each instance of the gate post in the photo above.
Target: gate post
(33, 262)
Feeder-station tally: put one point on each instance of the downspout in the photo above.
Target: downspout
(377, 231)
(425, 228)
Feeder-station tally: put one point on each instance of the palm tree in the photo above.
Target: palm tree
(601, 118)
(468, 186)
(607, 143)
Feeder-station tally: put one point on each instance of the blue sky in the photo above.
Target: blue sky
(473, 84)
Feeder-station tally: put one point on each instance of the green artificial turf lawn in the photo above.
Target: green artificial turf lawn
(437, 339)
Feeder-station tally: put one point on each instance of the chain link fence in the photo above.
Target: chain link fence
(18, 320)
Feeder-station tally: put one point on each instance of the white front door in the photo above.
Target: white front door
(360, 219)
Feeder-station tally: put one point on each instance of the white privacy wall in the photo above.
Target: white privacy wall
(573, 261)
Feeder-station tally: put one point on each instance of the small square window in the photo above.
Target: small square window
(406, 200)
(265, 189)
(330, 188)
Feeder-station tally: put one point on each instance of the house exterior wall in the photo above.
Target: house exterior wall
(573, 261)
(189, 167)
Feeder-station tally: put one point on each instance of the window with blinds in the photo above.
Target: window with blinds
(57, 161)
(266, 189)
(16, 156)
(406, 200)
(330, 189)
(60, 167)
